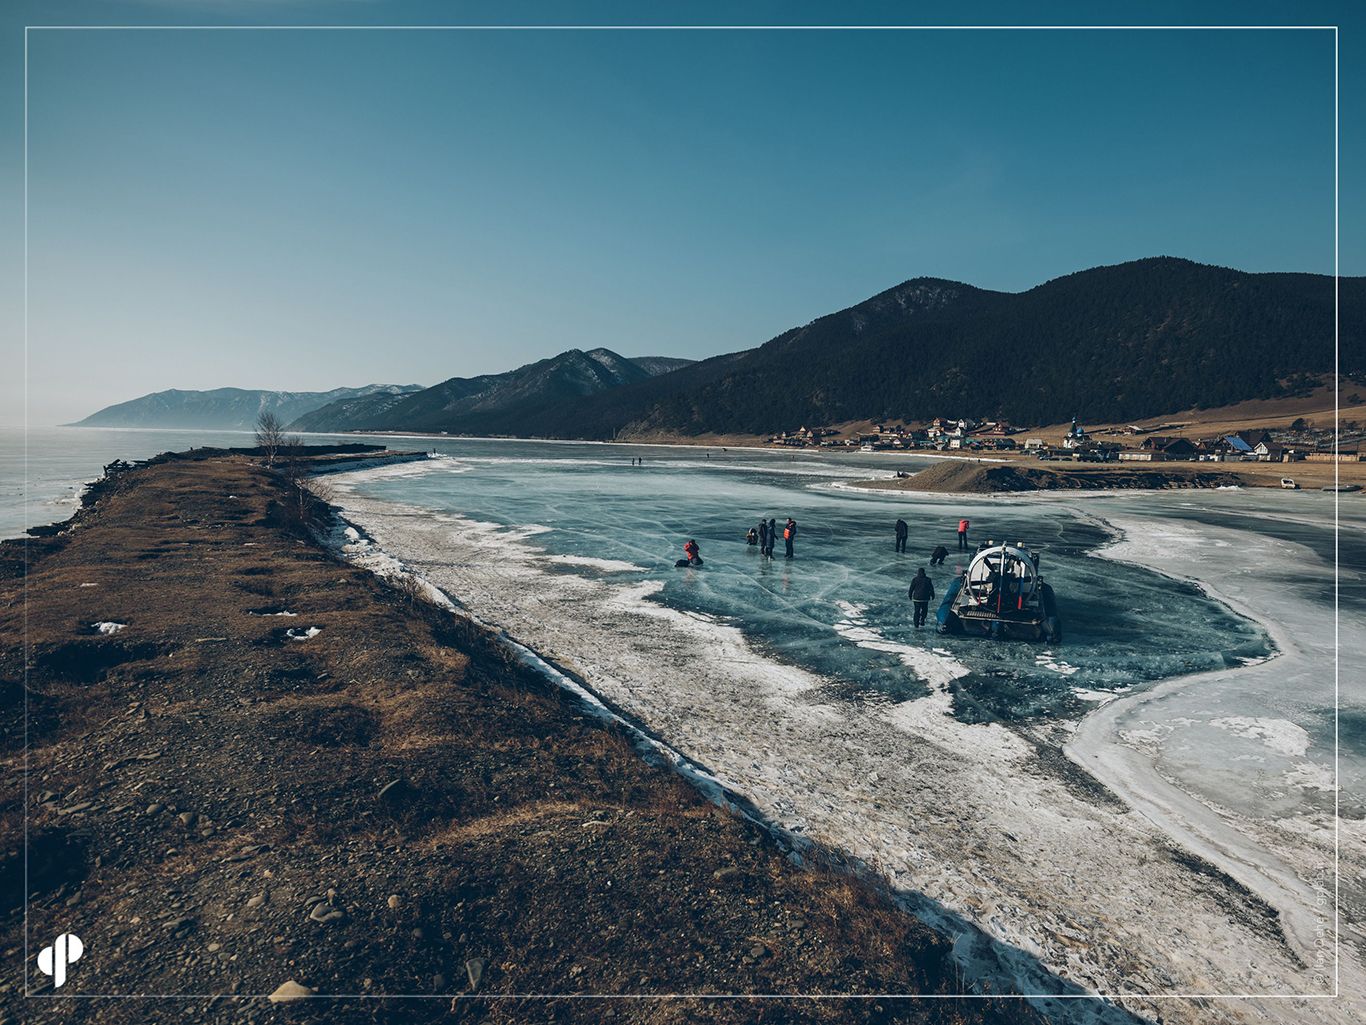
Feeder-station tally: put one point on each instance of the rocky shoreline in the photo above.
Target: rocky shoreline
(965, 477)
(253, 769)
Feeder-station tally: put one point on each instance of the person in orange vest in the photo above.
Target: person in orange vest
(789, 535)
(963, 535)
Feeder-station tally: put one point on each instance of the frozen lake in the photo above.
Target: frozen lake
(839, 608)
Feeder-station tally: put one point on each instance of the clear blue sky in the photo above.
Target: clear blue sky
(309, 209)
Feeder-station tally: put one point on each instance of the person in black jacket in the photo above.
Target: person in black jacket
(938, 556)
(763, 537)
(921, 594)
(901, 531)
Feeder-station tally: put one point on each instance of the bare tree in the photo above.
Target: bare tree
(270, 435)
(309, 497)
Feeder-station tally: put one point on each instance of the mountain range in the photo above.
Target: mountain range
(1111, 343)
(1108, 344)
(230, 409)
(496, 403)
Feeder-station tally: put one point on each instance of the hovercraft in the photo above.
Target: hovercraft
(1002, 595)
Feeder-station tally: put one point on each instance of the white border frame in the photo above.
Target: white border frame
(1337, 471)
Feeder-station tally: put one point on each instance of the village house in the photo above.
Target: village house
(1179, 448)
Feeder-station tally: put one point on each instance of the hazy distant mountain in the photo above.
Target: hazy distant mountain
(228, 408)
(1111, 343)
(491, 403)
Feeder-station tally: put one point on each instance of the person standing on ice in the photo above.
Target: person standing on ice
(921, 594)
(963, 535)
(901, 531)
(790, 535)
(763, 537)
(772, 535)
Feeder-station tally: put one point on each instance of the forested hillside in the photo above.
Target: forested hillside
(1111, 343)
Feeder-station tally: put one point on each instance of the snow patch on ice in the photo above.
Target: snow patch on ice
(605, 565)
(1310, 776)
(109, 627)
(1046, 660)
(929, 664)
(1281, 735)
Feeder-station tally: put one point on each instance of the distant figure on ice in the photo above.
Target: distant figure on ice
(752, 537)
(963, 535)
(790, 535)
(938, 556)
(691, 555)
(921, 594)
(901, 531)
(772, 535)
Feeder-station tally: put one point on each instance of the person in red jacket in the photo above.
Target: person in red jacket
(690, 552)
(963, 535)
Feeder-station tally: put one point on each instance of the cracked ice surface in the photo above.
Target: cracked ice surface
(802, 687)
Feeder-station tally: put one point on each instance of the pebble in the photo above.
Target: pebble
(474, 968)
(187, 818)
(326, 914)
(393, 901)
(257, 901)
(290, 990)
(155, 809)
